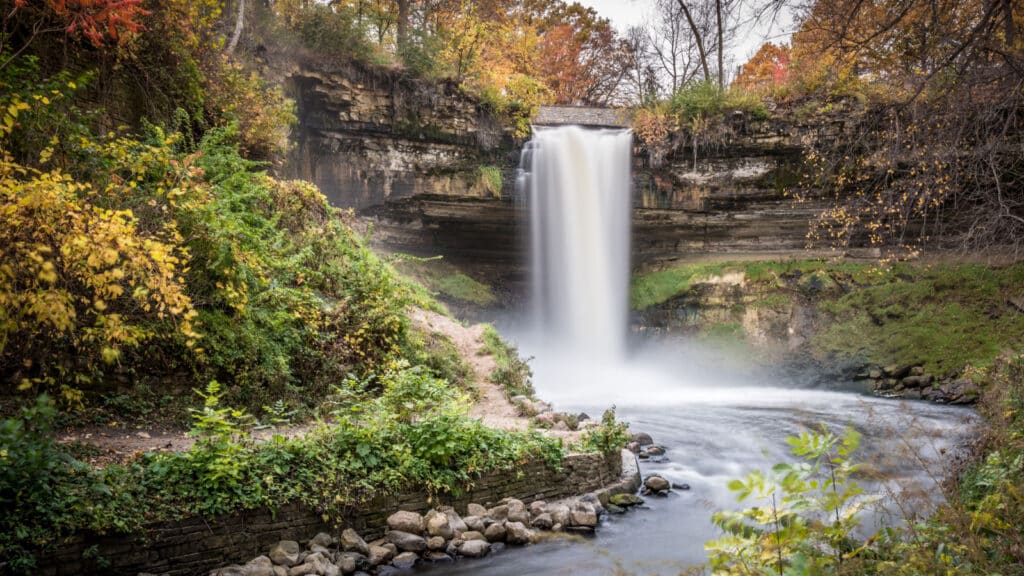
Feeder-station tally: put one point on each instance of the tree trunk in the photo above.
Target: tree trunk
(403, 24)
(239, 24)
(721, 46)
(697, 37)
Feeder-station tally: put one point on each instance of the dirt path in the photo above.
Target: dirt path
(492, 406)
(103, 444)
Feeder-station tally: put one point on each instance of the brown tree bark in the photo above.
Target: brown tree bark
(698, 38)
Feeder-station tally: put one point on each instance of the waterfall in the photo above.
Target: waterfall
(577, 182)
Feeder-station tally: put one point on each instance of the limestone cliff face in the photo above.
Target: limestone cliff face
(368, 136)
(408, 155)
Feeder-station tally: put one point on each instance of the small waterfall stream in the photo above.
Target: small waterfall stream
(577, 182)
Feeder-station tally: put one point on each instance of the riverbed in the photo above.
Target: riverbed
(720, 422)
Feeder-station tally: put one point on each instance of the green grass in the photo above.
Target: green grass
(445, 279)
(490, 177)
(944, 317)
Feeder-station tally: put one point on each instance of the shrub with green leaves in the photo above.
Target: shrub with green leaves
(510, 371)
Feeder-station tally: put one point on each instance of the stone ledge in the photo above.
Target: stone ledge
(581, 116)
(196, 545)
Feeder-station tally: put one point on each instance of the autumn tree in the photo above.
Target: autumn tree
(937, 153)
(766, 70)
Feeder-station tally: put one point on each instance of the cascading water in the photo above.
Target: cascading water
(578, 182)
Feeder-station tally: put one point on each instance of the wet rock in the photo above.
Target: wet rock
(477, 510)
(436, 543)
(633, 447)
(683, 486)
(625, 500)
(655, 450)
(380, 555)
(643, 439)
(518, 533)
(351, 541)
(613, 509)
(473, 535)
(285, 553)
(475, 548)
(656, 484)
(407, 542)
(404, 521)
(495, 533)
(405, 560)
(497, 547)
(543, 522)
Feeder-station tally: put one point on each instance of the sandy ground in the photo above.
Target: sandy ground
(116, 443)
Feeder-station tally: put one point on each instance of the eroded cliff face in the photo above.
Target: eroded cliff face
(408, 155)
(368, 136)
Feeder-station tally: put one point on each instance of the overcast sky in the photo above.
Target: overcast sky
(626, 13)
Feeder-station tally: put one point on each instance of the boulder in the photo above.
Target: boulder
(518, 533)
(315, 563)
(495, 532)
(473, 535)
(255, 566)
(473, 509)
(633, 447)
(322, 539)
(582, 515)
(436, 543)
(454, 520)
(405, 560)
(625, 500)
(896, 370)
(875, 373)
(537, 507)
(474, 523)
(438, 525)
(655, 450)
(351, 541)
(613, 509)
(918, 381)
(474, 548)
(546, 420)
(683, 486)
(347, 564)
(380, 555)
(583, 416)
(499, 512)
(497, 547)
(437, 557)
(404, 521)
(643, 439)
(233, 570)
(392, 547)
(407, 542)
(657, 484)
(543, 522)
(285, 553)
(559, 513)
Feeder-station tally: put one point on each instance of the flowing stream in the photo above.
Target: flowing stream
(717, 421)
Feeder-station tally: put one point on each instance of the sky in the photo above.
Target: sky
(626, 13)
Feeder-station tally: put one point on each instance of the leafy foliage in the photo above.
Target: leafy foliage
(511, 371)
(608, 437)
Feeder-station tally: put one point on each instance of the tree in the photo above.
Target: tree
(938, 151)
(766, 70)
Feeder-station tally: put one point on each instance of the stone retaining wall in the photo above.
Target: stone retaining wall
(197, 545)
